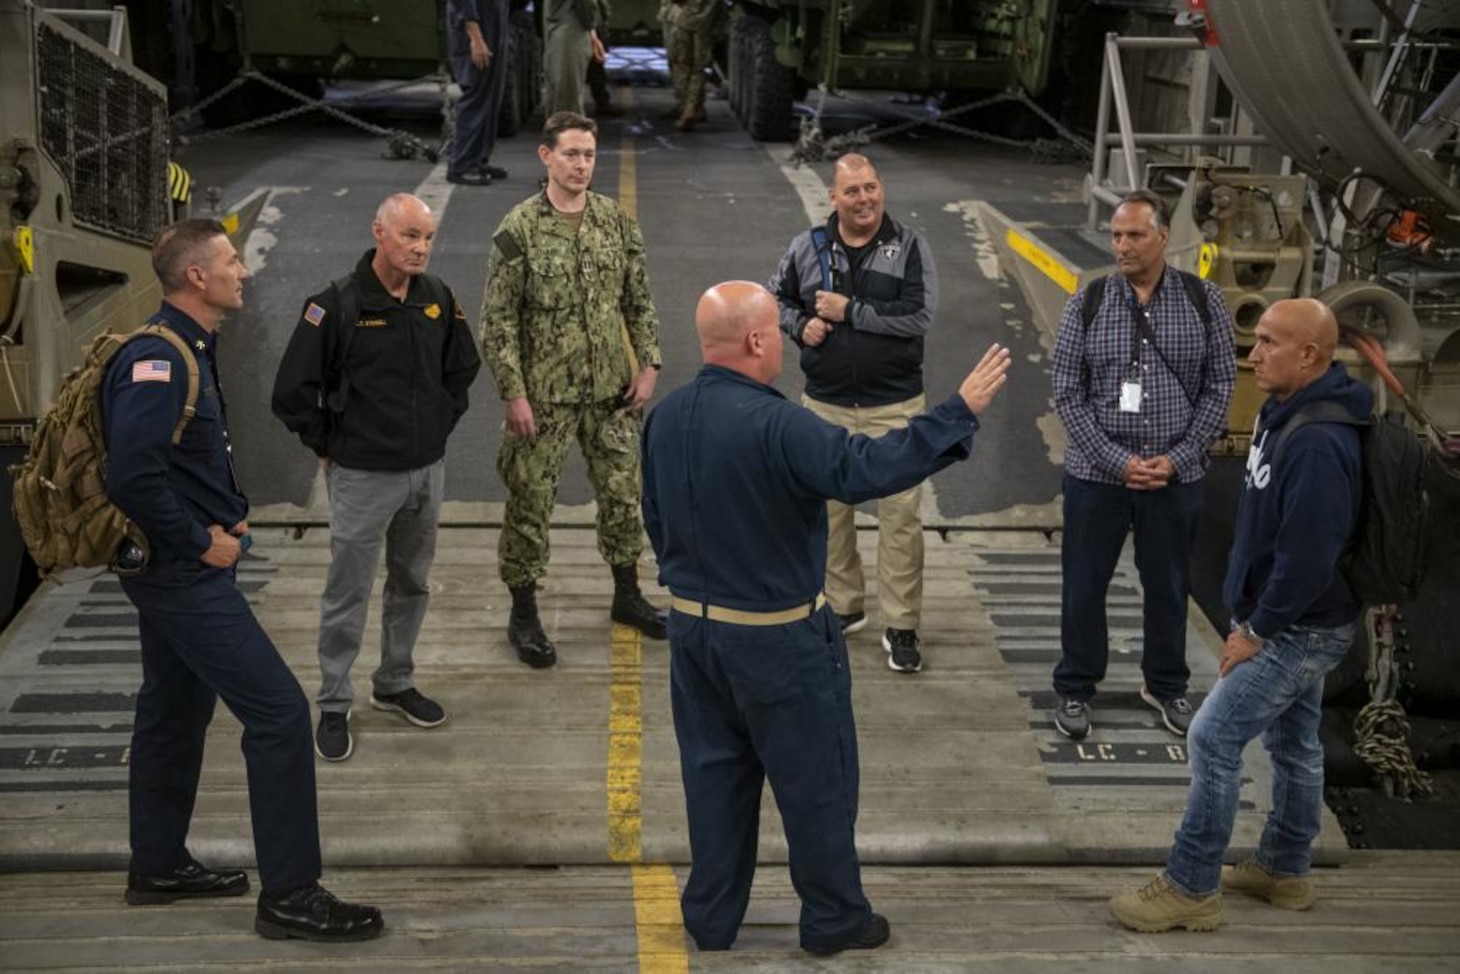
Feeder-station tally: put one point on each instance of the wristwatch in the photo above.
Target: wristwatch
(1245, 630)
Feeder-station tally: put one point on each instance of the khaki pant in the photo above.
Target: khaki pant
(899, 528)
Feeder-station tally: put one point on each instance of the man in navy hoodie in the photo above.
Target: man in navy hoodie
(1293, 619)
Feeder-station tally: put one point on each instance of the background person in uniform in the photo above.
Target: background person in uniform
(689, 38)
(570, 42)
(571, 336)
(374, 380)
(1140, 417)
(1293, 621)
(200, 640)
(861, 344)
(477, 38)
(735, 483)
(603, 106)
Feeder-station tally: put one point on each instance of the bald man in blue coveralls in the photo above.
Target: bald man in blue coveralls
(200, 640)
(736, 480)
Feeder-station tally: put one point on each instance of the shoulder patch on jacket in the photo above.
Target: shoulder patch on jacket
(314, 314)
(507, 244)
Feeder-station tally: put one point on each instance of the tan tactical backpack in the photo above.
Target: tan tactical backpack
(60, 487)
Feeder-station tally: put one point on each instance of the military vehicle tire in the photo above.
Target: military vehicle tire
(770, 110)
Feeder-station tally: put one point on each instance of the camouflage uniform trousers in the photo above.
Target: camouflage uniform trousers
(608, 435)
(689, 53)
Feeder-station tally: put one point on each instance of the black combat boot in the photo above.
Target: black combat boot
(524, 630)
(629, 605)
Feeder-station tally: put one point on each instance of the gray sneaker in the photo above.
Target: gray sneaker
(1072, 718)
(852, 622)
(1176, 713)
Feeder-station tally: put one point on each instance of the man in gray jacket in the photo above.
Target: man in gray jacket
(858, 295)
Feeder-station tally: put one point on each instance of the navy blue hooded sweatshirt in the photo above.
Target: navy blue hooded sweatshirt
(1294, 521)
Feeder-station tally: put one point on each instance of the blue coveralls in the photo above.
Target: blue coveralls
(200, 640)
(481, 89)
(736, 480)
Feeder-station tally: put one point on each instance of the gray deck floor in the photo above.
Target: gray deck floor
(578, 764)
(1380, 912)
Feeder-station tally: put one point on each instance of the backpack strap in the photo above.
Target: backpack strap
(190, 407)
(1325, 411)
(1196, 293)
(1090, 301)
(349, 313)
(822, 245)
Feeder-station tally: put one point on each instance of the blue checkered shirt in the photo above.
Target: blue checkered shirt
(1089, 368)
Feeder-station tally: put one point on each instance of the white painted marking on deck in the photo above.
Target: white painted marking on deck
(985, 254)
(806, 182)
(261, 239)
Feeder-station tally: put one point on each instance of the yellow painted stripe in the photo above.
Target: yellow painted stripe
(660, 925)
(1051, 267)
(625, 745)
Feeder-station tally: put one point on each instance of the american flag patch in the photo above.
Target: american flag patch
(314, 314)
(152, 370)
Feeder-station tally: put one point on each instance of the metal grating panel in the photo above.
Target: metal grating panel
(107, 132)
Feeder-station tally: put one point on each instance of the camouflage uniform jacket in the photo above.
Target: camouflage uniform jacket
(562, 307)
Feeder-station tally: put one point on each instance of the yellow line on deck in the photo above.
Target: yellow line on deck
(1051, 266)
(625, 745)
(659, 925)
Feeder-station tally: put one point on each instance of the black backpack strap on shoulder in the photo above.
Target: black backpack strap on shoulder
(1318, 412)
(349, 312)
(1090, 300)
(1196, 293)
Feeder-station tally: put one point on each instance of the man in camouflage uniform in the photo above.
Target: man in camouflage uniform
(571, 336)
(689, 32)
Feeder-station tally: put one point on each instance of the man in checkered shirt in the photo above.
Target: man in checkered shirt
(1143, 392)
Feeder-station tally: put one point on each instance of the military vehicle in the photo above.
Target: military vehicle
(781, 49)
(85, 185)
(199, 47)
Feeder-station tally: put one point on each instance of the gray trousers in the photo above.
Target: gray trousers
(368, 508)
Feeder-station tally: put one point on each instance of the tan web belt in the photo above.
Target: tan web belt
(718, 613)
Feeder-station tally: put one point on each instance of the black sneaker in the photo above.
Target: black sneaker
(313, 913)
(410, 704)
(1072, 718)
(1176, 713)
(902, 650)
(192, 881)
(469, 178)
(852, 622)
(874, 933)
(332, 740)
(496, 172)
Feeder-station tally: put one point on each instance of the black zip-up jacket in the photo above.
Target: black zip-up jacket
(875, 356)
(384, 391)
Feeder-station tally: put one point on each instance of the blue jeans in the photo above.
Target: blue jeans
(1277, 694)
(1097, 518)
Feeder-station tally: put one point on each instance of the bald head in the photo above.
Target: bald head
(401, 206)
(739, 328)
(853, 162)
(404, 230)
(1296, 339)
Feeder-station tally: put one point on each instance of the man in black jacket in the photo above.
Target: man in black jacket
(374, 380)
(858, 295)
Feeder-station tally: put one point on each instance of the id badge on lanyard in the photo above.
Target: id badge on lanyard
(1130, 391)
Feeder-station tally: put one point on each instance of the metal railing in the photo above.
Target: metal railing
(1113, 91)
